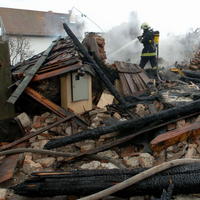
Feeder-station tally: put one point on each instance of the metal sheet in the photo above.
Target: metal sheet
(80, 87)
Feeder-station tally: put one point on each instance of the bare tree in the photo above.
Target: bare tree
(19, 49)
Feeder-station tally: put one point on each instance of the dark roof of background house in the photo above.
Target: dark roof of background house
(32, 23)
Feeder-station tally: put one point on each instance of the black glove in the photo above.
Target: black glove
(139, 38)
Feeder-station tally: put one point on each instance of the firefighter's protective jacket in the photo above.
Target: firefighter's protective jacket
(148, 41)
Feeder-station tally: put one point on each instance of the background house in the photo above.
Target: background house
(34, 30)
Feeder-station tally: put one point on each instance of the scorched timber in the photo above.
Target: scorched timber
(84, 182)
(133, 125)
(192, 74)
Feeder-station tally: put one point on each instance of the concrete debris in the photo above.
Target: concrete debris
(109, 154)
(191, 152)
(25, 120)
(29, 165)
(141, 110)
(3, 193)
(117, 116)
(180, 123)
(39, 144)
(46, 162)
(146, 160)
(132, 162)
(68, 131)
(86, 145)
(98, 165)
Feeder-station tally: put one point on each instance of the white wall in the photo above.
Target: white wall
(39, 44)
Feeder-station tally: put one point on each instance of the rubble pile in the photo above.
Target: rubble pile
(195, 62)
(135, 124)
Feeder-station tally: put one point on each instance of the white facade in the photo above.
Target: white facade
(39, 44)
(35, 45)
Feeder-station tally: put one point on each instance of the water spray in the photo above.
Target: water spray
(122, 48)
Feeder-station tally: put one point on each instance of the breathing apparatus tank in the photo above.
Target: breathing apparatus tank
(156, 37)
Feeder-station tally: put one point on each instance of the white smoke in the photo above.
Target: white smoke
(122, 43)
(180, 48)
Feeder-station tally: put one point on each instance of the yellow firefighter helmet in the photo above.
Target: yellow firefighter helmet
(145, 26)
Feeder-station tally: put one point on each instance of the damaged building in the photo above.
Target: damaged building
(74, 125)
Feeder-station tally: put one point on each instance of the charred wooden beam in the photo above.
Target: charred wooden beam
(189, 79)
(84, 182)
(96, 67)
(133, 125)
(56, 72)
(192, 74)
(22, 86)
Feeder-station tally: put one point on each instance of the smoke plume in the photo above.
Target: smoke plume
(180, 48)
(121, 41)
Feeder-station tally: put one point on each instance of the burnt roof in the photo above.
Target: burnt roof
(32, 23)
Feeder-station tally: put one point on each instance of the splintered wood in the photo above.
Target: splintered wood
(172, 137)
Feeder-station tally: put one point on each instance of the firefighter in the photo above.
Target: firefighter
(149, 50)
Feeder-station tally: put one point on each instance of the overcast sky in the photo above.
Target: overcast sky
(168, 16)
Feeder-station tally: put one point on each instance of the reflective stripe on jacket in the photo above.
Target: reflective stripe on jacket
(149, 54)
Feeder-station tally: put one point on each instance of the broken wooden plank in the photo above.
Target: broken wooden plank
(130, 83)
(57, 72)
(27, 79)
(125, 86)
(130, 69)
(172, 137)
(144, 77)
(8, 165)
(32, 134)
(105, 99)
(134, 125)
(58, 65)
(61, 112)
